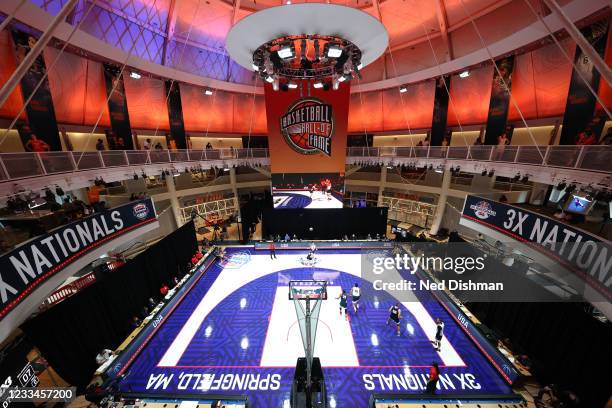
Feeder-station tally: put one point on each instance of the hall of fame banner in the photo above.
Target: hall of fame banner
(307, 130)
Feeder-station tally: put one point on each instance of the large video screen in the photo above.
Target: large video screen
(307, 190)
(578, 205)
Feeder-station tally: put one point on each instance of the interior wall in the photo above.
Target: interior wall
(12, 142)
(398, 140)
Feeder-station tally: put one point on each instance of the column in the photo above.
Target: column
(381, 186)
(435, 225)
(174, 202)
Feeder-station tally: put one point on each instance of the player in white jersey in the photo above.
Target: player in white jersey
(356, 295)
(439, 334)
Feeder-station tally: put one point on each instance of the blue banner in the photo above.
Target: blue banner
(31, 264)
(586, 255)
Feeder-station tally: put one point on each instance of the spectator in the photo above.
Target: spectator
(147, 144)
(103, 356)
(272, 249)
(158, 146)
(208, 145)
(99, 145)
(135, 322)
(586, 138)
(34, 144)
(151, 303)
(164, 290)
(434, 374)
(478, 141)
(502, 141)
(287, 237)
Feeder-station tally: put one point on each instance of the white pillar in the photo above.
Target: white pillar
(435, 225)
(234, 188)
(174, 202)
(381, 186)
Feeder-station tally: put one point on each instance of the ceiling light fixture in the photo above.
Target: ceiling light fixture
(285, 51)
(334, 51)
(135, 75)
(464, 74)
(292, 85)
(208, 92)
(403, 89)
(318, 85)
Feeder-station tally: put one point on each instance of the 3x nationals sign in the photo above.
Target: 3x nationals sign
(308, 126)
(31, 264)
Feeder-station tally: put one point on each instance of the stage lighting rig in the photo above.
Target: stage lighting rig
(324, 61)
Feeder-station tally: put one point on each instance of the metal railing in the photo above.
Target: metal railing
(595, 158)
(28, 164)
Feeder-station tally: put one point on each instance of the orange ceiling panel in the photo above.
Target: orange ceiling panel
(470, 97)
(14, 103)
(146, 99)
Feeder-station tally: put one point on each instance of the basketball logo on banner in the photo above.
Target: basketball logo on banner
(308, 126)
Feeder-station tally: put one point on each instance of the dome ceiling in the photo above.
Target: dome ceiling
(189, 35)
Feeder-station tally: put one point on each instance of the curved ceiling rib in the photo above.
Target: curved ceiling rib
(35, 17)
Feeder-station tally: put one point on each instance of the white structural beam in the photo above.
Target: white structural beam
(170, 27)
(443, 25)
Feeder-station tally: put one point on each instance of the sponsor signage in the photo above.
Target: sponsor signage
(587, 255)
(26, 267)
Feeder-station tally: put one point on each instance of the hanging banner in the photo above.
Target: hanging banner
(41, 134)
(121, 136)
(500, 100)
(31, 264)
(580, 104)
(307, 133)
(307, 137)
(440, 110)
(175, 115)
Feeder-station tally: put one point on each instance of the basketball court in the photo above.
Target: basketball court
(234, 331)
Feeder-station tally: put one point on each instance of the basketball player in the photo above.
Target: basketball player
(439, 334)
(343, 300)
(312, 190)
(328, 189)
(356, 295)
(395, 314)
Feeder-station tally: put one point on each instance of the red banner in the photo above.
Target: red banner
(307, 134)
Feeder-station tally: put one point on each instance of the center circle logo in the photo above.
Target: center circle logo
(308, 126)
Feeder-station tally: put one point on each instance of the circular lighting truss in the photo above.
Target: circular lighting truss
(307, 57)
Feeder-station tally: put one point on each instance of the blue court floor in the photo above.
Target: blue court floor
(235, 332)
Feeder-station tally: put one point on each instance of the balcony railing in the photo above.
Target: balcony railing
(22, 165)
(594, 158)
(26, 164)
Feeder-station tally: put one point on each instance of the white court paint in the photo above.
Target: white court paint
(447, 352)
(334, 343)
(231, 279)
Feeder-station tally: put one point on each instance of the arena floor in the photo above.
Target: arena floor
(304, 199)
(234, 332)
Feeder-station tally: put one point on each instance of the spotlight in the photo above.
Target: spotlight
(292, 85)
(516, 177)
(491, 173)
(403, 89)
(269, 79)
(255, 67)
(464, 74)
(561, 185)
(359, 66)
(334, 51)
(135, 75)
(286, 51)
(343, 78)
(208, 92)
(318, 85)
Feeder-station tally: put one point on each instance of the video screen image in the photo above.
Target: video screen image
(578, 205)
(307, 190)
